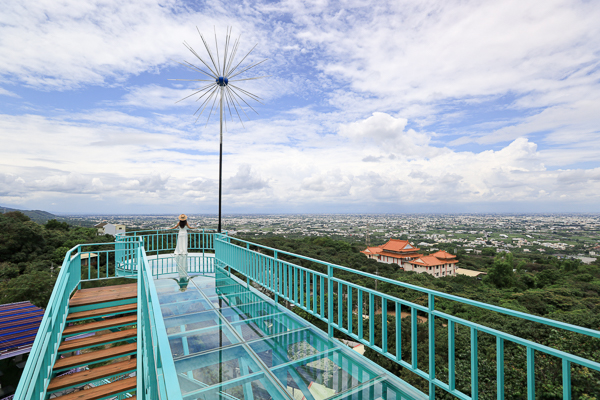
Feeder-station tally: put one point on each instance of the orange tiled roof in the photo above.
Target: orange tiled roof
(399, 246)
(443, 254)
(429, 261)
(372, 250)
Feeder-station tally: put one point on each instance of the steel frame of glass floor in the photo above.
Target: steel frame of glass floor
(230, 341)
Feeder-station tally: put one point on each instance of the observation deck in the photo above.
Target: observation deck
(223, 327)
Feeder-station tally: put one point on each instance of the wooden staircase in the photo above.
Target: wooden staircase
(104, 317)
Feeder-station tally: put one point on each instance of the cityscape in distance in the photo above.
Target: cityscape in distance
(561, 235)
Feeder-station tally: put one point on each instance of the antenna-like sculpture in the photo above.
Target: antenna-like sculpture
(222, 87)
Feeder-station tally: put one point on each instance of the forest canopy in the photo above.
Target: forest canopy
(31, 255)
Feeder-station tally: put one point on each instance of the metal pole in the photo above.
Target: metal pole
(220, 159)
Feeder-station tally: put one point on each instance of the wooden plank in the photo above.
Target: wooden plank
(106, 290)
(95, 356)
(91, 375)
(97, 340)
(102, 311)
(98, 325)
(100, 392)
(102, 298)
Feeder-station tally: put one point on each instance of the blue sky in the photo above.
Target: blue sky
(432, 106)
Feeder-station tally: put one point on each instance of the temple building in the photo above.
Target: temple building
(395, 251)
(406, 256)
(438, 264)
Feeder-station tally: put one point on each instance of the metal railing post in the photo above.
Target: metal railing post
(274, 277)
(329, 300)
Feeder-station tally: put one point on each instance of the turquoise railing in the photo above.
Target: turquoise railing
(164, 240)
(299, 286)
(156, 375)
(38, 369)
(93, 262)
(160, 242)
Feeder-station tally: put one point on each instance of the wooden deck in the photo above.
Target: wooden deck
(106, 294)
(91, 375)
(97, 340)
(101, 392)
(110, 312)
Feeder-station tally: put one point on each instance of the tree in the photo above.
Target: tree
(489, 251)
(55, 225)
(20, 238)
(35, 286)
(501, 274)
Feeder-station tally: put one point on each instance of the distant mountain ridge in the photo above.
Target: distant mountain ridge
(35, 215)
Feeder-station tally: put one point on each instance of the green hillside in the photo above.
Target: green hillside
(35, 215)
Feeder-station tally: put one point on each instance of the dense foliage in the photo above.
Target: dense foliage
(562, 290)
(31, 255)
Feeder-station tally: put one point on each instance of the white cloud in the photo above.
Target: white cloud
(66, 44)
(245, 181)
(387, 132)
(154, 96)
(135, 166)
(358, 111)
(4, 92)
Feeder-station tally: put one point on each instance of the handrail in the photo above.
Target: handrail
(148, 231)
(300, 286)
(38, 369)
(506, 311)
(156, 374)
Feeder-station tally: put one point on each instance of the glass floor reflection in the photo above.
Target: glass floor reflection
(231, 342)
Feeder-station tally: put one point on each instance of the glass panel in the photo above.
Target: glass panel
(252, 388)
(183, 344)
(290, 347)
(207, 282)
(204, 338)
(190, 322)
(224, 290)
(265, 326)
(235, 299)
(323, 376)
(188, 307)
(187, 295)
(237, 313)
(166, 286)
(216, 367)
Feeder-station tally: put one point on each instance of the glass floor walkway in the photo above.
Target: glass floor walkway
(229, 341)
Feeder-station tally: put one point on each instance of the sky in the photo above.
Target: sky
(370, 107)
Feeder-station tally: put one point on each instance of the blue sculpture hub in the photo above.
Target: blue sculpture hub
(222, 81)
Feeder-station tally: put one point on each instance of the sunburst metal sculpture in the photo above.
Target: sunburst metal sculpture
(222, 87)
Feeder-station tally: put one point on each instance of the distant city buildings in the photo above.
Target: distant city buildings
(467, 233)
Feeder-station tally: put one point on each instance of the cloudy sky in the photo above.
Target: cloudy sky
(415, 106)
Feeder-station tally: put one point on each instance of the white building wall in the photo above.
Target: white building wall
(112, 229)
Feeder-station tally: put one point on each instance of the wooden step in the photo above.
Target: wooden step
(102, 312)
(103, 391)
(95, 356)
(91, 375)
(104, 294)
(99, 325)
(97, 340)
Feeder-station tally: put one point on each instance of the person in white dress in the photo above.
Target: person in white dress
(181, 250)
